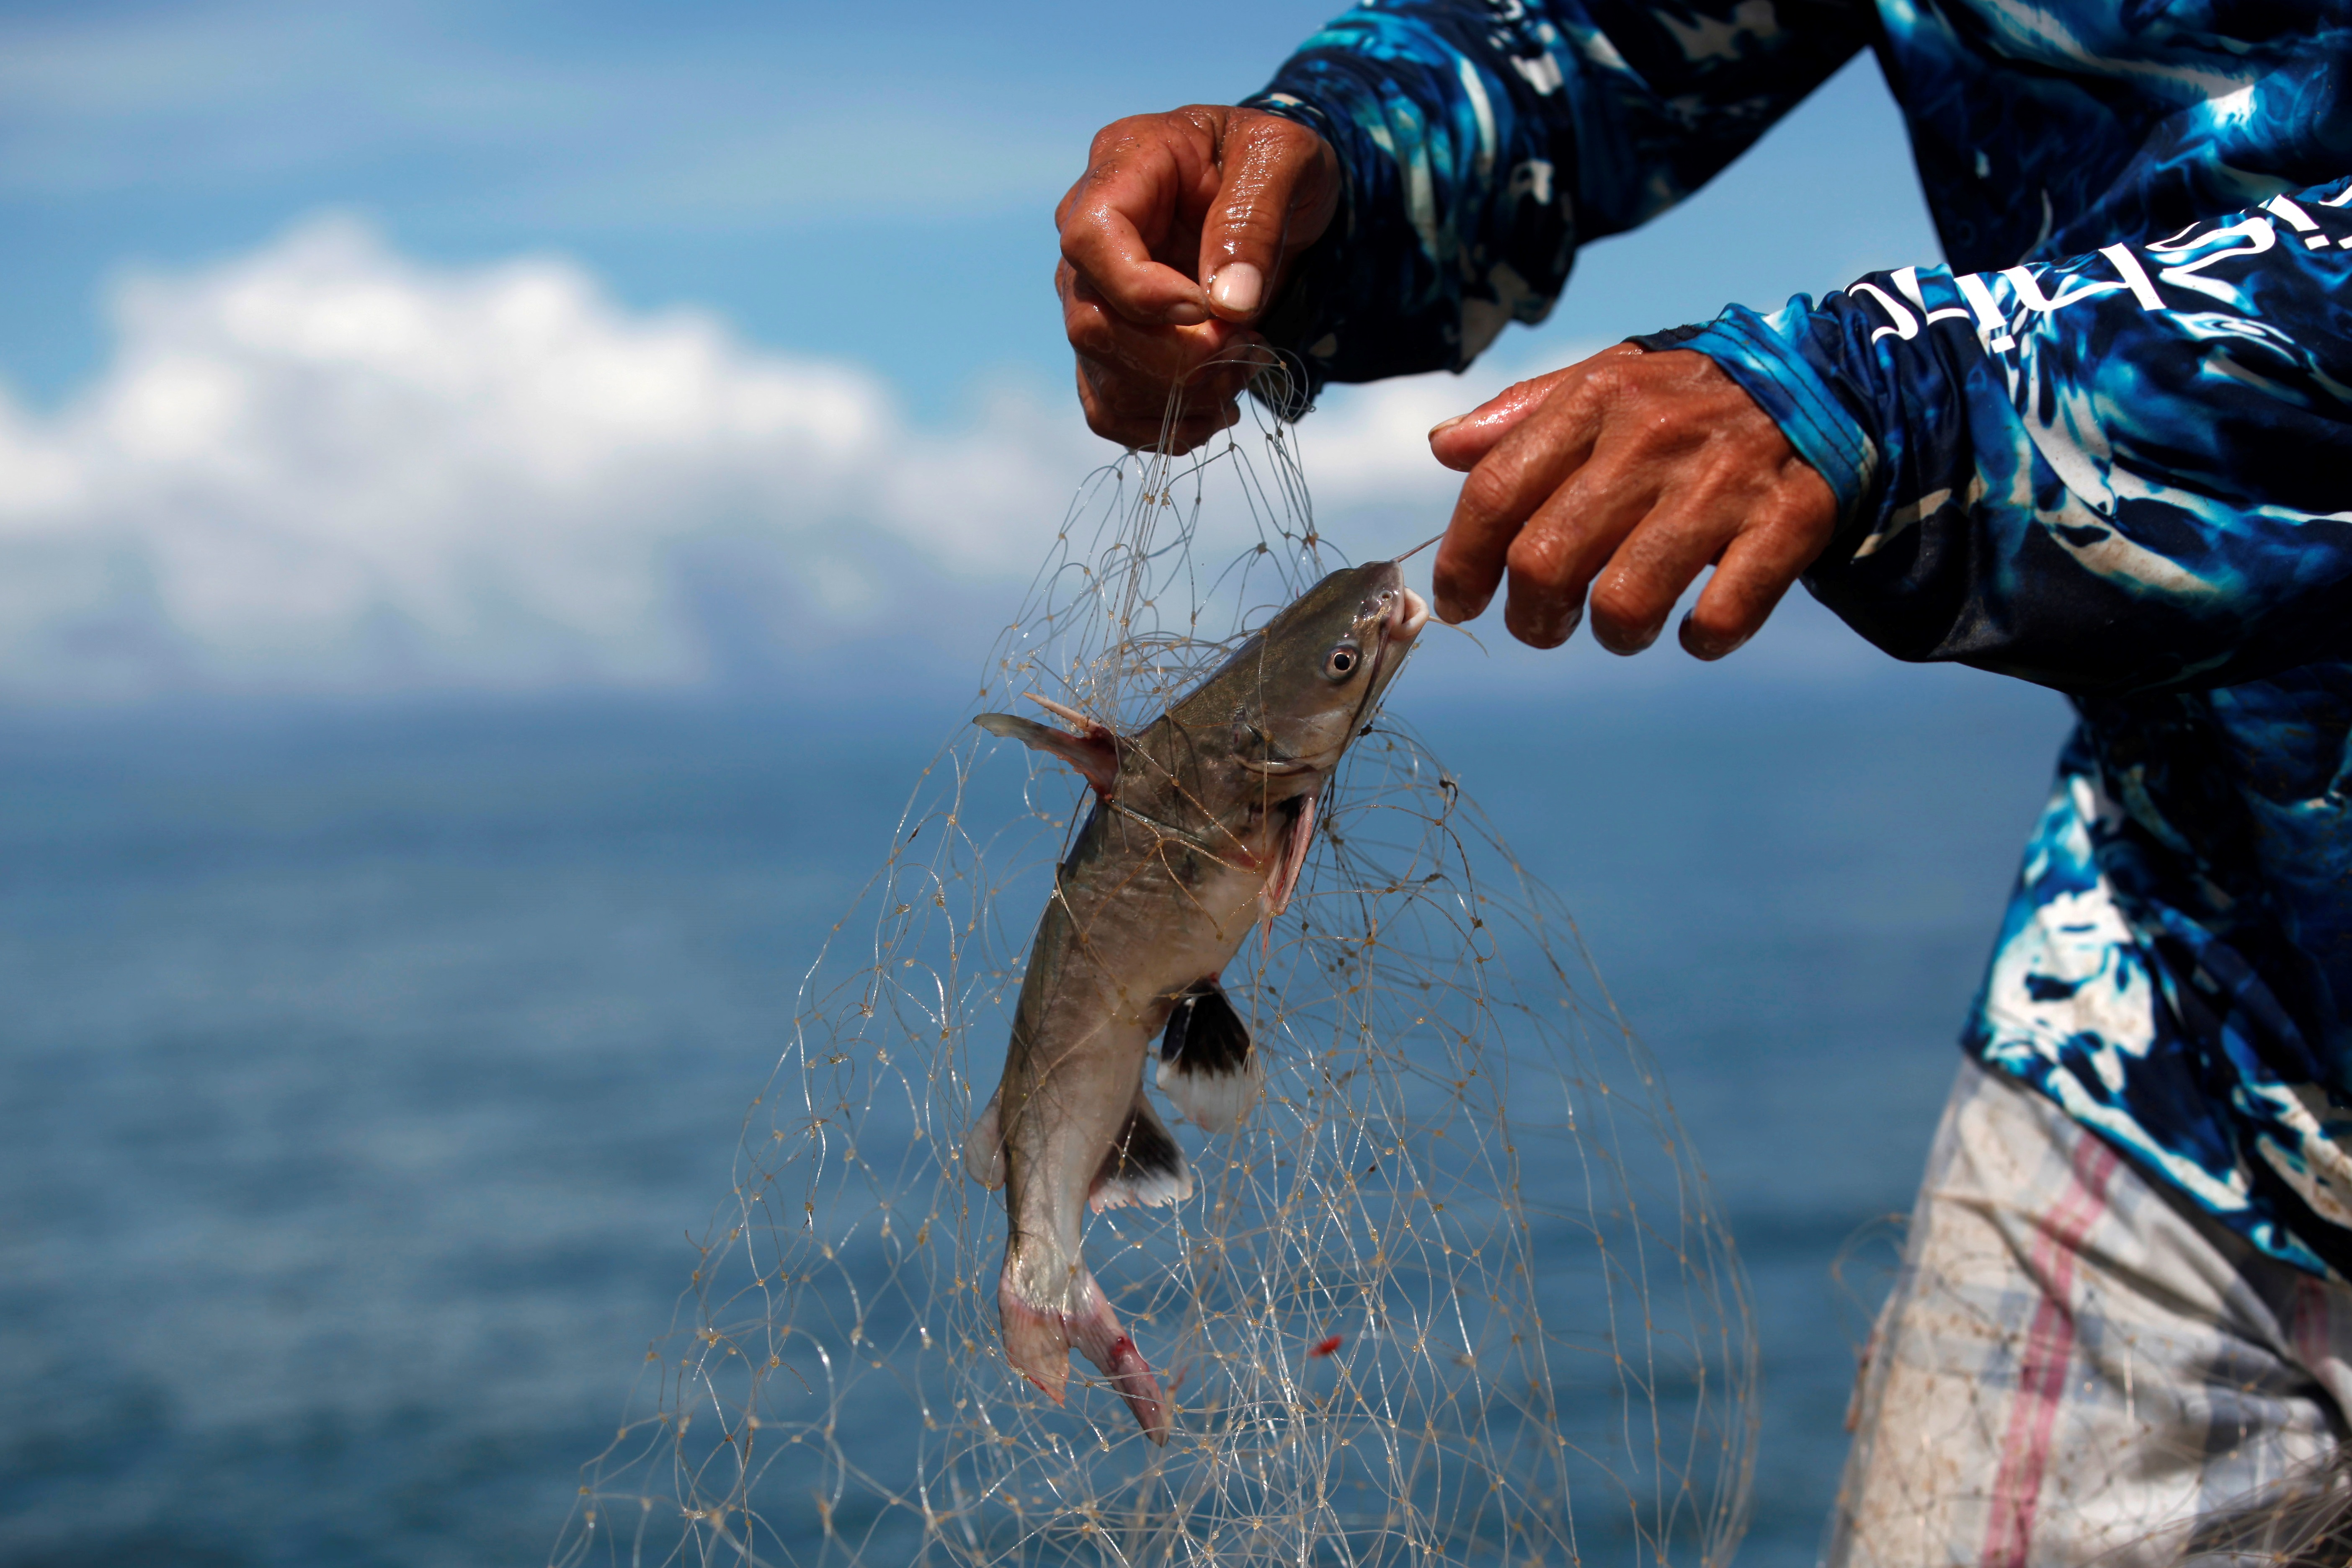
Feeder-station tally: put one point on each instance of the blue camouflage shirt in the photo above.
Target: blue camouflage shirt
(2107, 447)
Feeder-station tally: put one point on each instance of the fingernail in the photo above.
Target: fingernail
(1539, 633)
(1238, 287)
(1184, 313)
(1626, 647)
(1702, 644)
(1453, 611)
(1442, 426)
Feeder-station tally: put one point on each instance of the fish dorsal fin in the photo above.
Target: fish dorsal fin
(1207, 1064)
(1093, 752)
(1144, 1167)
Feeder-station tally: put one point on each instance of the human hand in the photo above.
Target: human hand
(1625, 475)
(1175, 240)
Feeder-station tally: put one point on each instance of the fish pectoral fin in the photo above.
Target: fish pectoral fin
(1144, 1166)
(1095, 754)
(1208, 1064)
(984, 1146)
(1295, 841)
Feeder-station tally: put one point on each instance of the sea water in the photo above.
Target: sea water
(364, 1071)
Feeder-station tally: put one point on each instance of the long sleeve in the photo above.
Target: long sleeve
(2124, 471)
(1484, 141)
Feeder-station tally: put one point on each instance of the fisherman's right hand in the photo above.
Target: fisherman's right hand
(1173, 243)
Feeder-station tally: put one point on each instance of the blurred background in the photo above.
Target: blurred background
(497, 501)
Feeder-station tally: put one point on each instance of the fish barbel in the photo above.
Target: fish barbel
(1198, 830)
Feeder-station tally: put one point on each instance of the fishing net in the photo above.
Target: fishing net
(1455, 1292)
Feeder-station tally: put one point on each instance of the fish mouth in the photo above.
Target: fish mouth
(1407, 615)
(1402, 614)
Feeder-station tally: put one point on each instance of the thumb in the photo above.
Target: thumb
(1278, 189)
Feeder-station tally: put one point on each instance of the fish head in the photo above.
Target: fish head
(1304, 685)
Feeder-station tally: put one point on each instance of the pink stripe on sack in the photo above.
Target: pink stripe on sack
(2311, 1336)
(2049, 1348)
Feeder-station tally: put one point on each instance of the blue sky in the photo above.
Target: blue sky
(862, 188)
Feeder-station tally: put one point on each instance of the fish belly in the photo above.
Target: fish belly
(1106, 971)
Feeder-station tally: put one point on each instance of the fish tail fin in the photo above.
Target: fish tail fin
(1038, 1341)
(1208, 1063)
(1036, 1338)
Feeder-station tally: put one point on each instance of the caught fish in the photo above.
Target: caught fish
(1200, 829)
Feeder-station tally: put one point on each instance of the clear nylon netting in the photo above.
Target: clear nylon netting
(1456, 1292)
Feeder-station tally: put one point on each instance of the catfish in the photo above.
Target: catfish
(1199, 829)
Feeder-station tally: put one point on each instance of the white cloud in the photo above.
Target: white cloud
(324, 467)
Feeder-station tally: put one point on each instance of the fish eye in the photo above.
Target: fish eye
(1341, 662)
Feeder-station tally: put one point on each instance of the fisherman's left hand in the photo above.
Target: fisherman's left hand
(1623, 476)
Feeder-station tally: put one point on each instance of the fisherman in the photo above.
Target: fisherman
(2107, 448)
